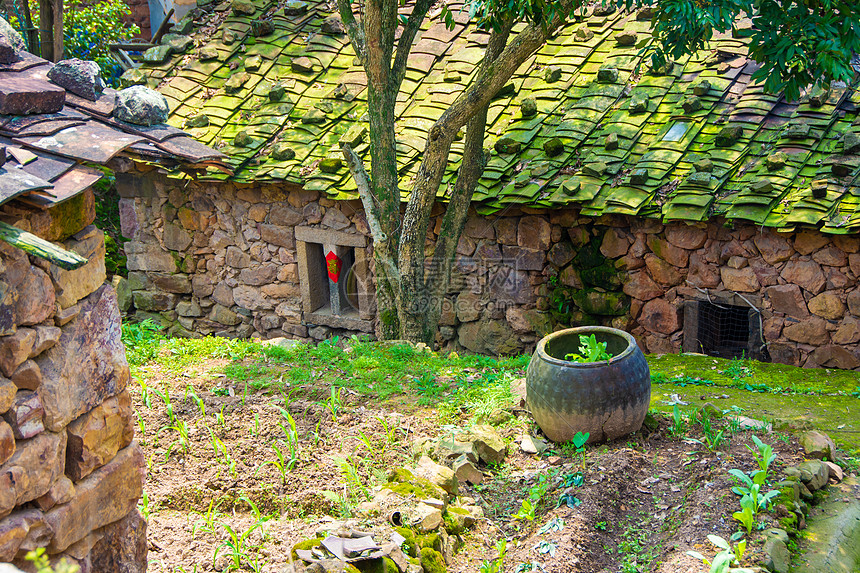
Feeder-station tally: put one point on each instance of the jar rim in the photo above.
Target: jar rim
(544, 355)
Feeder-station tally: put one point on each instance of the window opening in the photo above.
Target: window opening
(723, 330)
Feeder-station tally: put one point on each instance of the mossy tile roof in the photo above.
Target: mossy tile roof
(610, 135)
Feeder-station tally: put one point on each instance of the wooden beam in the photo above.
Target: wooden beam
(38, 247)
(51, 29)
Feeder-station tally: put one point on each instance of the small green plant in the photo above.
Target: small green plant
(335, 402)
(738, 369)
(590, 350)
(181, 443)
(190, 393)
(238, 547)
(679, 422)
(143, 505)
(40, 561)
(713, 439)
(750, 487)
(142, 340)
(746, 516)
(763, 454)
(292, 436)
(283, 463)
(727, 557)
(207, 520)
(168, 405)
(495, 565)
(530, 505)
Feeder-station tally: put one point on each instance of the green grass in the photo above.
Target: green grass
(753, 375)
(379, 369)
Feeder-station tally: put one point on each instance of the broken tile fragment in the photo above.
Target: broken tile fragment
(552, 74)
(506, 146)
(607, 75)
(729, 135)
(776, 161)
(553, 147)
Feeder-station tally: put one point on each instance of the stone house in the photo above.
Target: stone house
(70, 473)
(682, 204)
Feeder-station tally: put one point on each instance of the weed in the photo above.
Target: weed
(238, 548)
(142, 340)
(589, 350)
(496, 565)
(40, 561)
(763, 454)
(727, 557)
(680, 423)
(636, 551)
(738, 369)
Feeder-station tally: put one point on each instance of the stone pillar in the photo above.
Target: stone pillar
(70, 474)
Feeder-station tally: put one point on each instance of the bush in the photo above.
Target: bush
(88, 30)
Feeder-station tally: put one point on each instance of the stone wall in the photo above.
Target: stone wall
(70, 474)
(140, 16)
(221, 259)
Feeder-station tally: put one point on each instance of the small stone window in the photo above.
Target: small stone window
(333, 273)
(723, 330)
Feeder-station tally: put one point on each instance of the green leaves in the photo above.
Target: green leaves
(589, 351)
(797, 43)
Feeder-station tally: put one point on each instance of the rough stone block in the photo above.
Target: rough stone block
(25, 415)
(74, 285)
(7, 442)
(28, 376)
(8, 306)
(62, 491)
(96, 437)
(142, 257)
(36, 297)
(7, 394)
(15, 529)
(123, 546)
(107, 495)
(787, 299)
(36, 464)
(153, 301)
(88, 363)
(46, 337)
(175, 238)
(15, 349)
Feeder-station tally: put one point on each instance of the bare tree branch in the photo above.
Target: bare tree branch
(404, 44)
(362, 181)
(353, 29)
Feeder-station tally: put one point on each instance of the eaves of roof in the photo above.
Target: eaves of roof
(277, 89)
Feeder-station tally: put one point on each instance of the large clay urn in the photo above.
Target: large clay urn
(607, 399)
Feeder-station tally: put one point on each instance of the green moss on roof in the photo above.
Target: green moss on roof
(608, 136)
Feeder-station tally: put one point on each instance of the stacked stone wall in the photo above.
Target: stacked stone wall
(70, 474)
(221, 259)
(139, 15)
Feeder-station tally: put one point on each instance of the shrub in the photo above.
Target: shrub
(88, 30)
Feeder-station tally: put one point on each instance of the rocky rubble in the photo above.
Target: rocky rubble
(799, 489)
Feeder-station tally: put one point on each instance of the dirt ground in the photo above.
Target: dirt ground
(645, 500)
